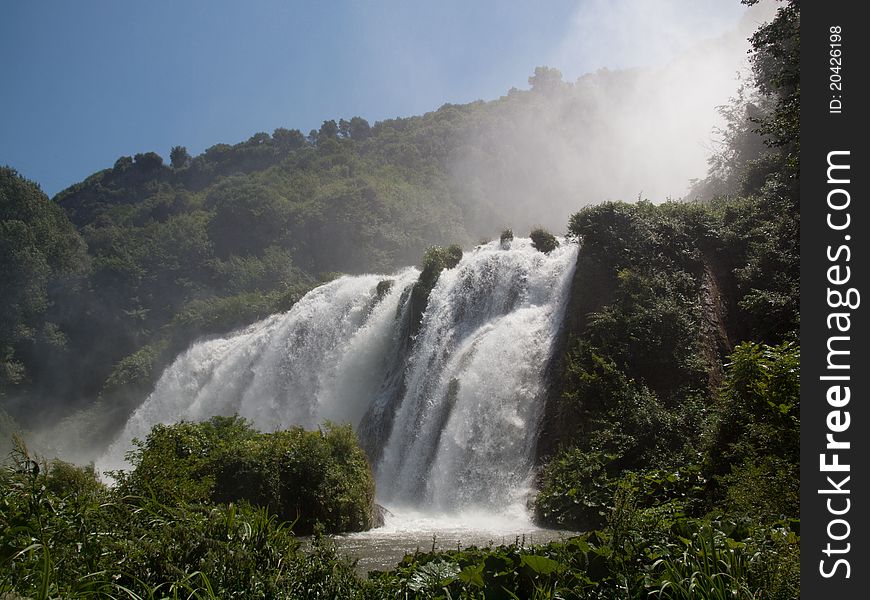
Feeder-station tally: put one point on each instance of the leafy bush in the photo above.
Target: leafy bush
(690, 558)
(753, 445)
(137, 369)
(543, 240)
(305, 477)
(575, 491)
(62, 534)
(436, 260)
(507, 236)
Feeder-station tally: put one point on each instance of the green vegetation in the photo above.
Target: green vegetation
(41, 252)
(634, 558)
(64, 534)
(506, 237)
(543, 240)
(314, 479)
(677, 407)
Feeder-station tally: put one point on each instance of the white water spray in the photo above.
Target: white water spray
(466, 428)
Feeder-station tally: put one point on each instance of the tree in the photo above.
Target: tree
(39, 248)
(543, 240)
(248, 217)
(148, 162)
(178, 157)
(288, 139)
(328, 131)
(776, 69)
(359, 128)
(546, 80)
(305, 477)
(258, 139)
(123, 164)
(344, 128)
(760, 142)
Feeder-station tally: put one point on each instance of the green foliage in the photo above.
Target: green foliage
(583, 490)
(635, 377)
(575, 492)
(776, 68)
(66, 480)
(662, 291)
(63, 534)
(436, 260)
(543, 240)
(288, 139)
(689, 558)
(247, 217)
(506, 237)
(174, 463)
(304, 477)
(42, 254)
(762, 245)
(136, 370)
(148, 162)
(546, 80)
(753, 445)
(760, 143)
(179, 157)
(705, 569)
(359, 128)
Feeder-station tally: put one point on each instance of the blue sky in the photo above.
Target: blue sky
(87, 81)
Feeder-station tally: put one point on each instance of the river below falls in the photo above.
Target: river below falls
(406, 531)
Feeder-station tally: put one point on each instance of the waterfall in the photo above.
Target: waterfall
(320, 360)
(450, 417)
(465, 429)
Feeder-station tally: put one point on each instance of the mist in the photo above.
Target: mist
(637, 132)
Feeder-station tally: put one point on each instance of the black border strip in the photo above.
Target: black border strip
(833, 120)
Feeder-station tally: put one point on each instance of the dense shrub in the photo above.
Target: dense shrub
(436, 260)
(304, 477)
(63, 534)
(689, 559)
(753, 443)
(506, 237)
(543, 240)
(575, 491)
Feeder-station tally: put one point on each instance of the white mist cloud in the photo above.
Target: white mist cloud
(618, 133)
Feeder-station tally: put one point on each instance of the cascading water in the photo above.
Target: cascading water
(465, 429)
(323, 359)
(450, 417)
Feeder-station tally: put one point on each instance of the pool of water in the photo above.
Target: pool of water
(407, 531)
